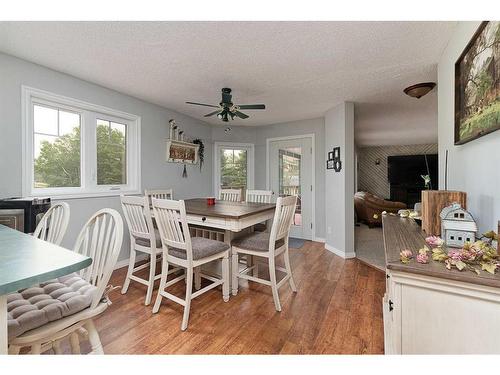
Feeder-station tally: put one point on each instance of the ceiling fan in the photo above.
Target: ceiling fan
(227, 108)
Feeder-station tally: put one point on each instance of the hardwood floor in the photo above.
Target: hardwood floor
(338, 309)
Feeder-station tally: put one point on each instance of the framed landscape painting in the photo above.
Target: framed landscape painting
(477, 85)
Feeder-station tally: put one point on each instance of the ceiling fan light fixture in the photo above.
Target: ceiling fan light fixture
(420, 89)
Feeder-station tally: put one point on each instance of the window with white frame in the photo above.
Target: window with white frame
(233, 166)
(73, 148)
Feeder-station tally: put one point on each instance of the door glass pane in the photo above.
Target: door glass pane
(289, 177)
(233, 173)
(56, 147)
(111, 153)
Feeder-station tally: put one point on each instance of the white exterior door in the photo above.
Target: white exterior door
(290, 173)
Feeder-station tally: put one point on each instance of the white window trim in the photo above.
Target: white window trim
(29, 96)
(250, 147)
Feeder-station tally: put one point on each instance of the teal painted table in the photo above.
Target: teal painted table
(25, 261)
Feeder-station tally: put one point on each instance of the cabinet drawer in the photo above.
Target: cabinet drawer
(216, 222)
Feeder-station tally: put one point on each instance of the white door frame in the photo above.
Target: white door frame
(313, 171)
(250, 147)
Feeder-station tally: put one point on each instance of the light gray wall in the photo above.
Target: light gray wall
(372, 177)
(475, 166)
(156, 172)
(239, 134)
(339, 206)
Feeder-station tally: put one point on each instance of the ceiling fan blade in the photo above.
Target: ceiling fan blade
(240, 114)
(252, 106)
(205, 105)
(211, 113)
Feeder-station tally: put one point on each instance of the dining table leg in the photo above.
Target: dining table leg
(3, 325)
(228, 236)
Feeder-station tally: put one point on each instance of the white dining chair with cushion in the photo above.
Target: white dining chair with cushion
(44, 314)
(53, 224)
(181, 250)
(267, 245)
(231, 195)
(144, 238)
(259, 196)
(159, 194)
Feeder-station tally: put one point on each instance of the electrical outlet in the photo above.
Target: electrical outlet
(329, 230)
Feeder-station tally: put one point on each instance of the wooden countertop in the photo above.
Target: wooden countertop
(400, 234)
(225, 209)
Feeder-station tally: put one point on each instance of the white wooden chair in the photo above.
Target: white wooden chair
(53, 224)
(259, 196)
(267, 245)
(231, 195)
(159, 194)
(143, 239)
(101, 239)
(182, 250)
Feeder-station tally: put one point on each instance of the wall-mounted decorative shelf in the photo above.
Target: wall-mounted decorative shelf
(182, 152)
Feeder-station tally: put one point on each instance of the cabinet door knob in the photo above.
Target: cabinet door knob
(391, 305)
(203, 218)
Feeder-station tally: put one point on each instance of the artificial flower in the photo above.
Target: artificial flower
(434, 241)
(405, 256)
(423, 258)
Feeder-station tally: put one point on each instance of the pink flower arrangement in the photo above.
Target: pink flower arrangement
(434, 241)
(405, 256)
(423, 258)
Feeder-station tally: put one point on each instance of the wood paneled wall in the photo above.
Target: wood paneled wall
(373, 177)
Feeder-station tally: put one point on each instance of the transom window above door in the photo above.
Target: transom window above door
(233, 166)
(76, 149)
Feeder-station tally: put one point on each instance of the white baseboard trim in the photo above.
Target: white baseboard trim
(340, 253)
(319, 239)
(124, 262)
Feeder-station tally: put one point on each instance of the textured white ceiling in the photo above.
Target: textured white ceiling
(298, 69)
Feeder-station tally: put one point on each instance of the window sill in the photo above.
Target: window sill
(114, 193)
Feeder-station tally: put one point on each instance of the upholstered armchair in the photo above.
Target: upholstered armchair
(369, 208)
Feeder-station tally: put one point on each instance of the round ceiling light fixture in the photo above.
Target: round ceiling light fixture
(419, 90)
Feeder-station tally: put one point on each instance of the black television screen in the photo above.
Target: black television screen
(408, 169)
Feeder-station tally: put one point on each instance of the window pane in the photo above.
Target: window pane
(289, 178)
(233, 169)
(56, 154)
(111, 153)
(68, 121)
(45, 120)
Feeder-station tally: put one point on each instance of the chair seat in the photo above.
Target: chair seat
(47, 302)
(145, 241)
(257, 241)
(202, 248)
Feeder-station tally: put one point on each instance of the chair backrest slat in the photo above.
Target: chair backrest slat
(159, 194)
(283, 218)
(259, 196)
(100, 239)
(231, 195)
(172, 224)
(53, 224)
(137, 214)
